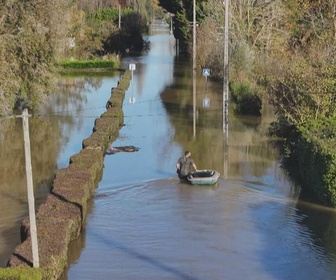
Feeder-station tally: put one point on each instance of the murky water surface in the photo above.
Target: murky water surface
(145, 224)
(55, 135)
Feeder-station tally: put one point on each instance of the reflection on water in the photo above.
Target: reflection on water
(56, 134)
(143, 223)
(148, 225)
(166, 230)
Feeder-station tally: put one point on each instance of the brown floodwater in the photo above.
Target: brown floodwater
(143, 223)
(55, 134)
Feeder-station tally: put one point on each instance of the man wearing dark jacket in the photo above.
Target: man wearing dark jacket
(185, 165)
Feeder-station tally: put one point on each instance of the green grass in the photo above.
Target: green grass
(20, 273)
(88, 64)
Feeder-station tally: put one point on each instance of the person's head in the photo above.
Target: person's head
(187, 154)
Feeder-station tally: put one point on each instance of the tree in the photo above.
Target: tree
(305, 88)
(183, 19)
(31, 33)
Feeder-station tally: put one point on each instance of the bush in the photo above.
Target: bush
(311, 159)
(247, 102)
(88, 64)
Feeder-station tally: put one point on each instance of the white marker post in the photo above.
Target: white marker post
(132, 68)
(30, 189)
(206, 100)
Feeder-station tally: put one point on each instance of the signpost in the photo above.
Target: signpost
(132, 68)
(206, 100)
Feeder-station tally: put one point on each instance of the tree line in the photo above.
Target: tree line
(282, 52)
(36, 35)
(285, 49)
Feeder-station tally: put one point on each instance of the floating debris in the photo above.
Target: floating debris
(113, 150)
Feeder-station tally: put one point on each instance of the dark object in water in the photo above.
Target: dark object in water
(113, 150)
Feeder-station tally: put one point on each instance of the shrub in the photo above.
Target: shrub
(247, 102)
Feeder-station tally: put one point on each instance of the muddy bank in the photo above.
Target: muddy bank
(60, 218)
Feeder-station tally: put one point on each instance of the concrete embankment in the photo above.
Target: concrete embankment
(60, 218)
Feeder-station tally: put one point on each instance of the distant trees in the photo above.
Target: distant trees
(130, 36)
(182, 12)
(283, 50)
(94, 29)
(36, 34)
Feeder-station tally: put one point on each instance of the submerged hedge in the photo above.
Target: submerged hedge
(60, 218)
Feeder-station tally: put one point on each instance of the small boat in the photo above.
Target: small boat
(203, 177)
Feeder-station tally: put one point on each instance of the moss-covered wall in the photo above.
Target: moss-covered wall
(60, 218)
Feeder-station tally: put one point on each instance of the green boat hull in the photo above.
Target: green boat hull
(203, 177)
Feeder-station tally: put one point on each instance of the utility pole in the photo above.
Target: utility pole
(30, 189)
(226, 91)
(119, 23)
(194, 35)
(226, 65)
(194, 68)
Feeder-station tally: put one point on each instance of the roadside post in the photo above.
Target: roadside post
(132, 68)
(206, 100)
(30, 189)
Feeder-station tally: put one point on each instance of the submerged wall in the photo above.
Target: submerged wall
(60, 218)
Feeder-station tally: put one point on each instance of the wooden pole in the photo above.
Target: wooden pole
(194, 35)
(194, 68)
(226, 91)
(119, 23)
(30, 189)
(226, 65)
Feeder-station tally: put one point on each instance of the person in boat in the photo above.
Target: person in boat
(185, 165)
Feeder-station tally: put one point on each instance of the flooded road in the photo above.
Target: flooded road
(55, 135)
(143, 223)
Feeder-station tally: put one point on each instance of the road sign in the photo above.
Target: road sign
(206, 102)
(132, 67)
(206, 72)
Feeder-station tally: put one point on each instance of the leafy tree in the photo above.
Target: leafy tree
(305, 87)
(129, 38)
(182, 11)
(31, 34)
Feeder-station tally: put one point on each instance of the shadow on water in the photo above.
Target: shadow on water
(144, 258)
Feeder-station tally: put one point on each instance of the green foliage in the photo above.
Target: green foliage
(20, 274)
(88, 64)
(29, 36)
(306, 90)
(247, 101)
(183, 18)
(321, 131)
(130, 37)
(308, 21)
(182, 29)
(134, 24)
(312, 157)
(108, 14)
